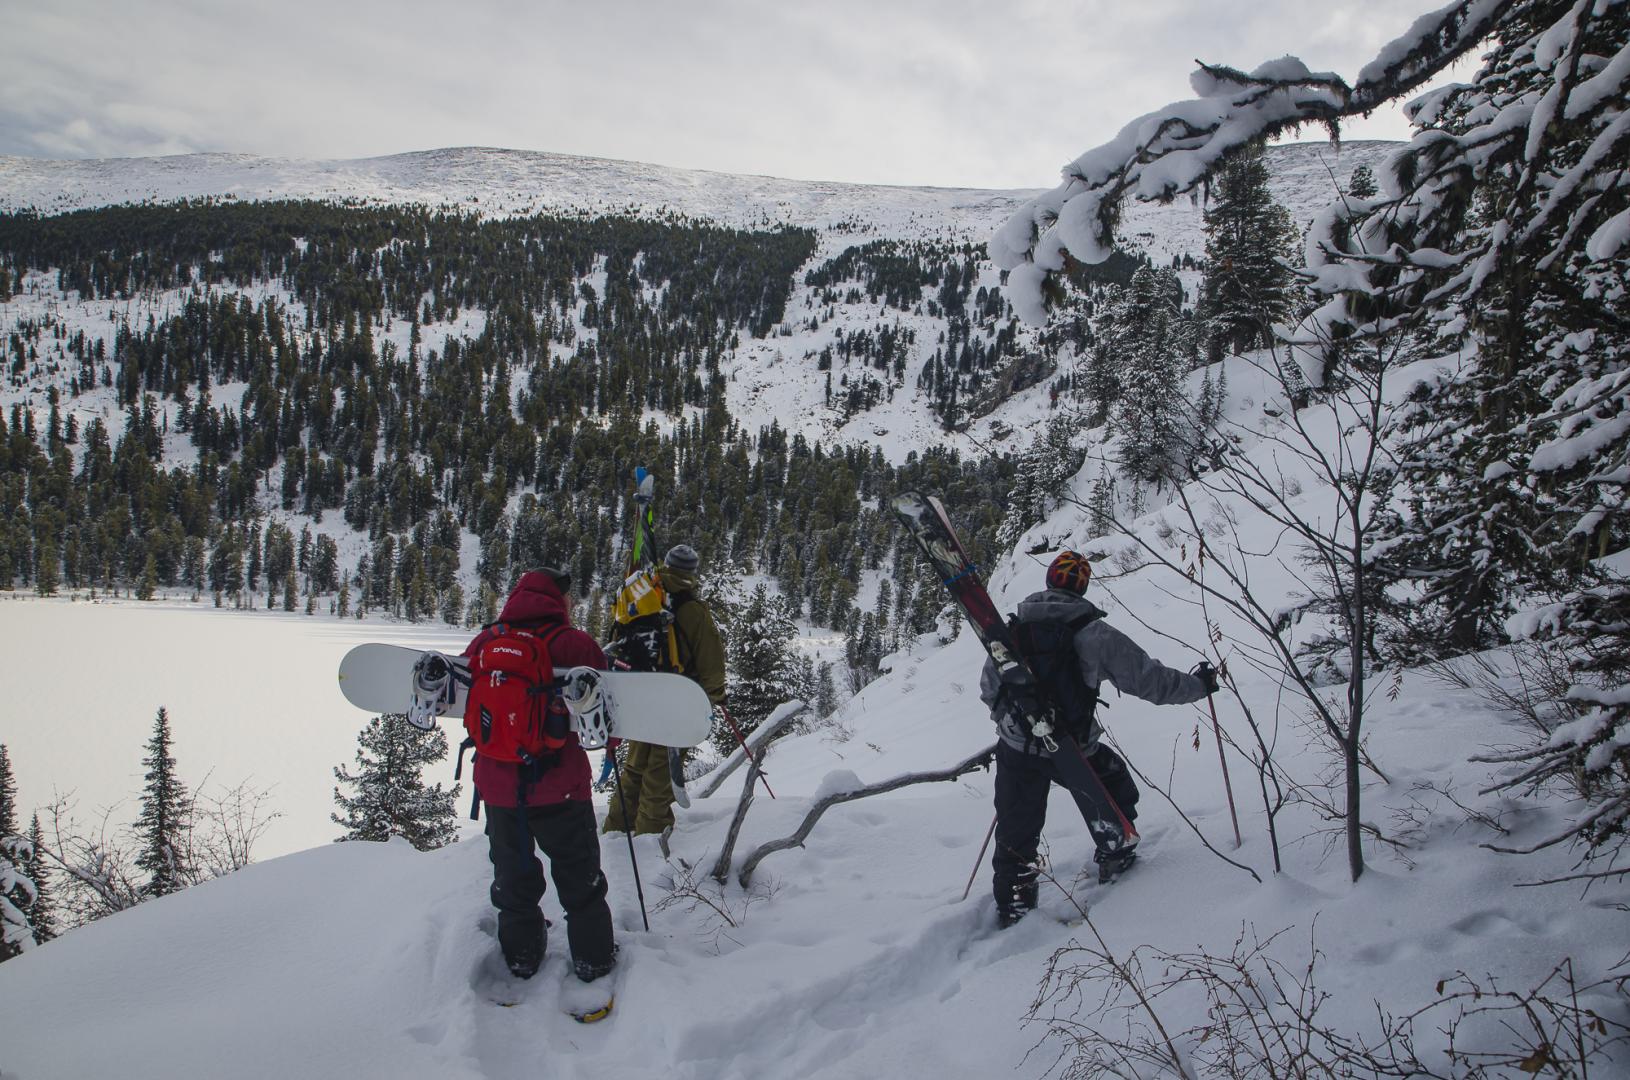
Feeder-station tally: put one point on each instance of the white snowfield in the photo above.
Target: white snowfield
(852, 956)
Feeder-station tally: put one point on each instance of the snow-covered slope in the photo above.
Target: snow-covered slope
(854, 955)
(850, 957)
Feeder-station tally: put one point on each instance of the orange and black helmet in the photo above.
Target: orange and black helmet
(1069, 571)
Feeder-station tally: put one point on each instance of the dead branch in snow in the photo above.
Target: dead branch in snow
(980, 760)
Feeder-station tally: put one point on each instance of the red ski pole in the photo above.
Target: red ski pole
(742, 742)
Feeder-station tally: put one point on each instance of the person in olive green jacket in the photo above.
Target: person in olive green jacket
(646, 785)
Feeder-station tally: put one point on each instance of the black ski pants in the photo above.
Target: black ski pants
(1022, 785)
(567, 835)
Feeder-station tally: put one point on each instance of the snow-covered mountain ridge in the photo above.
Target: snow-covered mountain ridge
(508, 182)
(764, 386)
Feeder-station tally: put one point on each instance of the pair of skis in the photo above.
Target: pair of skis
(641, 554)
(925, 519)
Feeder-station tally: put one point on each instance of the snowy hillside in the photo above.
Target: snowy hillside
(771, 379)
(854, 956)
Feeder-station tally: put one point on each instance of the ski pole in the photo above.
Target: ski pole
(742, 742)
(628, 831)
(977, 863)
(1228, 785)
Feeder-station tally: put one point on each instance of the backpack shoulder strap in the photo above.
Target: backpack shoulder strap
(546, 637)
(681, 639)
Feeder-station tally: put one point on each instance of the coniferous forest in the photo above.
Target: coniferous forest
(270, 406)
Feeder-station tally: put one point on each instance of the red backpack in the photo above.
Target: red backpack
(514, 712)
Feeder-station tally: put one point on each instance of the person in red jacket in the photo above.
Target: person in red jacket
(548, 804)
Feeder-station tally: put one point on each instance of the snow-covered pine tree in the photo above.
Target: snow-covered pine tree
(1060, 460)
(1517, 471)
(8, 795)
(42, 914)
(388, 794)
(1043, 473)
(1246, 290)
(825, 692)
(1585, 745)
(761, 669)
(1154, 419)
(1361, 185)
(165, 820)
(16, 897)
(863, 649)
(1101, 503)
(17, 892)
(1023, 501)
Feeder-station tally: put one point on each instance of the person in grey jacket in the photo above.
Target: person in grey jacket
(1071, 650)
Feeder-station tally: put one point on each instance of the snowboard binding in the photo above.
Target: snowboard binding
(580, 690)
(433, 690)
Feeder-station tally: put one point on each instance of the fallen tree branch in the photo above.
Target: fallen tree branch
(783, 715)
(977, 761)
(721, 867)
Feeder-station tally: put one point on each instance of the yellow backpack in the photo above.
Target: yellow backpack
(643, 637)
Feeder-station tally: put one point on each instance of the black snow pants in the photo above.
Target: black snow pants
(1022, 785)
(567, 835)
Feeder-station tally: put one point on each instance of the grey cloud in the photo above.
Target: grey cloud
(953, 92)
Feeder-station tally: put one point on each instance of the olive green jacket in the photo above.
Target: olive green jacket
(701, 648)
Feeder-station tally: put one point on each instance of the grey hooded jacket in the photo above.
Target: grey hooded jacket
(1104, 652)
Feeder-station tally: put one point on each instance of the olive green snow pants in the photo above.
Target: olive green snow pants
(647, 789)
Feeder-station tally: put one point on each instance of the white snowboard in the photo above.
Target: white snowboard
(652, 707)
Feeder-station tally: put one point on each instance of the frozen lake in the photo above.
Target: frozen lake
(252, 696)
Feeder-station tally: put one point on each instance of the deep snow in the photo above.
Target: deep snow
(853, 957)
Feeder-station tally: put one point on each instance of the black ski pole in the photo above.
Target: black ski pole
(628, 831)
(1228, 785)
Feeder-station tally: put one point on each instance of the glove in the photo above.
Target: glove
(1207, 675)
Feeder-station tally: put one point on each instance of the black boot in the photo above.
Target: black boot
(525, 961)
(1113, 864)
(588, 971)
(1021, 902)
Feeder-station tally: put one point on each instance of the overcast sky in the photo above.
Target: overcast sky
(943, 92)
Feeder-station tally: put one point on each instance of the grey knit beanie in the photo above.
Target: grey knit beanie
(683, 557)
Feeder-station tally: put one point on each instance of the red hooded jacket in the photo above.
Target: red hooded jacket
(537, 604)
